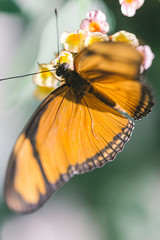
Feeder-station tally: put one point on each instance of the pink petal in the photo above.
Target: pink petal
(104, 28)
(97, 16)
(85, 24)
(128, 10)
(148, 56)
(140, 3)
(95, 19)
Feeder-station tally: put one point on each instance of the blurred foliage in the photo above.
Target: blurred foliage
(9, 6)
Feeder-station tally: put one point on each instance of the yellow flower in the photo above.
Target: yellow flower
(94, 37)
(126, 37)
(46, 78)
(41, 93)
(74, 41)
(45, 82)
(64, 56)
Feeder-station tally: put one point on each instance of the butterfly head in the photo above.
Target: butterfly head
(61, 69)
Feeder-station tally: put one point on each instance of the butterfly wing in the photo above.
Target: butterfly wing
(69, 134)
(113, 70)
(26, 185)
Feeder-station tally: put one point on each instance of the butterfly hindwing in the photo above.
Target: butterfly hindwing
(113, 70)
(69, 134)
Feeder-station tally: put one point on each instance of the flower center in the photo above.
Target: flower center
(94, 27)
(129, 1)
(44, 75)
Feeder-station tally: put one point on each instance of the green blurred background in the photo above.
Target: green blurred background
(120, 201)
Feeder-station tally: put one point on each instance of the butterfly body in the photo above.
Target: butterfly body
(72, 78)
(80, 126)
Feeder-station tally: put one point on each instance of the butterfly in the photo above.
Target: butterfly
(80, 126)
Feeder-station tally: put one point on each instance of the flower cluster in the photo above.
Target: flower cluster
(129, 7)
(92, 29)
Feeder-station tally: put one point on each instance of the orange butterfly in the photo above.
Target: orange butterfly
(80, 126)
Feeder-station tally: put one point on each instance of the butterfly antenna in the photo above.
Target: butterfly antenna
(30, 74)
(57, 29)
(26, 75)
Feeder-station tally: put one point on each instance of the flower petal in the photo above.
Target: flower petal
(140, 3)
(95, 37)
(45, 79)
(148, 56)
(129, 7)
(66, 57)
(40, 93)
(95, 22)
(74, 41)
(126, 37)
(96, 15)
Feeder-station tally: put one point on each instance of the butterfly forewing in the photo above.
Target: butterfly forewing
(114, 71)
